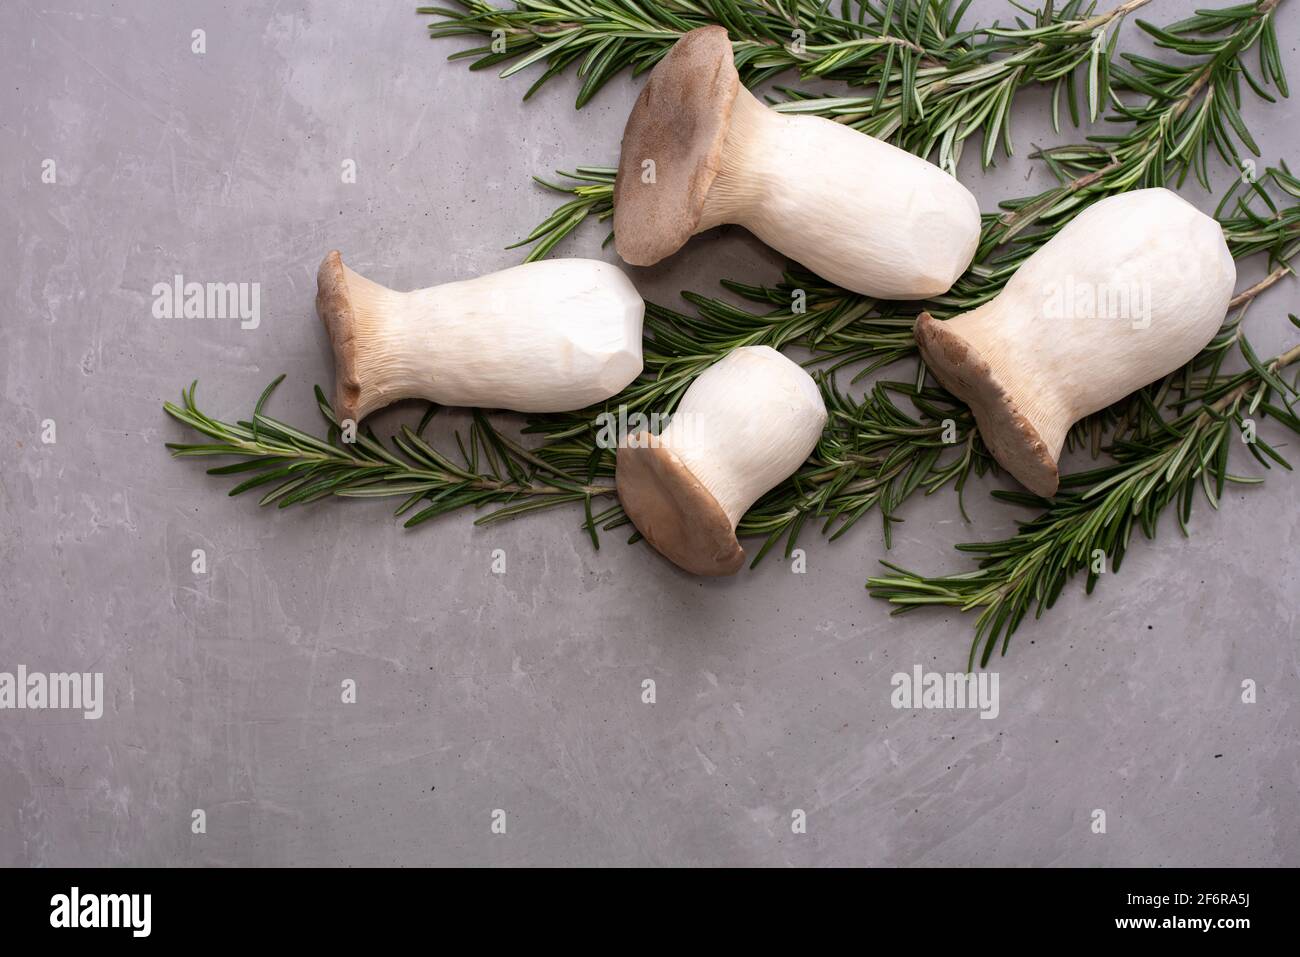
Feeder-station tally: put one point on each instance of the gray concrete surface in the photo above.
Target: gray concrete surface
(522, 691)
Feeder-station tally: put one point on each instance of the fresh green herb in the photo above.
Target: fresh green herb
(603, 38)
(298, 468)
(930, 83)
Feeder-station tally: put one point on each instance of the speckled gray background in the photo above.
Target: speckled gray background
(522, 691)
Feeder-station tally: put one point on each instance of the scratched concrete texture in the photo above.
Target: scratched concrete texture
(520, 691)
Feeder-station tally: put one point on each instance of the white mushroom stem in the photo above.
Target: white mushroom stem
(745, 425)
(542, 337)
(1130, 290)
(855, 210)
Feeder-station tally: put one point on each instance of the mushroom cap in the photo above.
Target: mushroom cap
(334, 306)
(680, 121)
(1010, 436)
(674, 512)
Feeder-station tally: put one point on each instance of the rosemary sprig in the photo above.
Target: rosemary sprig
(593, 196)
(300, 468)
(930, 83)
(1092, 520)
(944, 104)
(1190, 107)
(603, 38)
(874, 453)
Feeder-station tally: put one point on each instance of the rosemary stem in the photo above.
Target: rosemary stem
(1248, 295)
(1228, 401)
(1123, 10)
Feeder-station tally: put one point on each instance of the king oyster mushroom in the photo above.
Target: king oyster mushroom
(547, 336)
(744, 425)
(699, 150)
(1129, 291)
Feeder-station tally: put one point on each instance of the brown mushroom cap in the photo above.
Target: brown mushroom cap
(1010, 436)
(334, 306)
(680, 121)
(675, 513)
